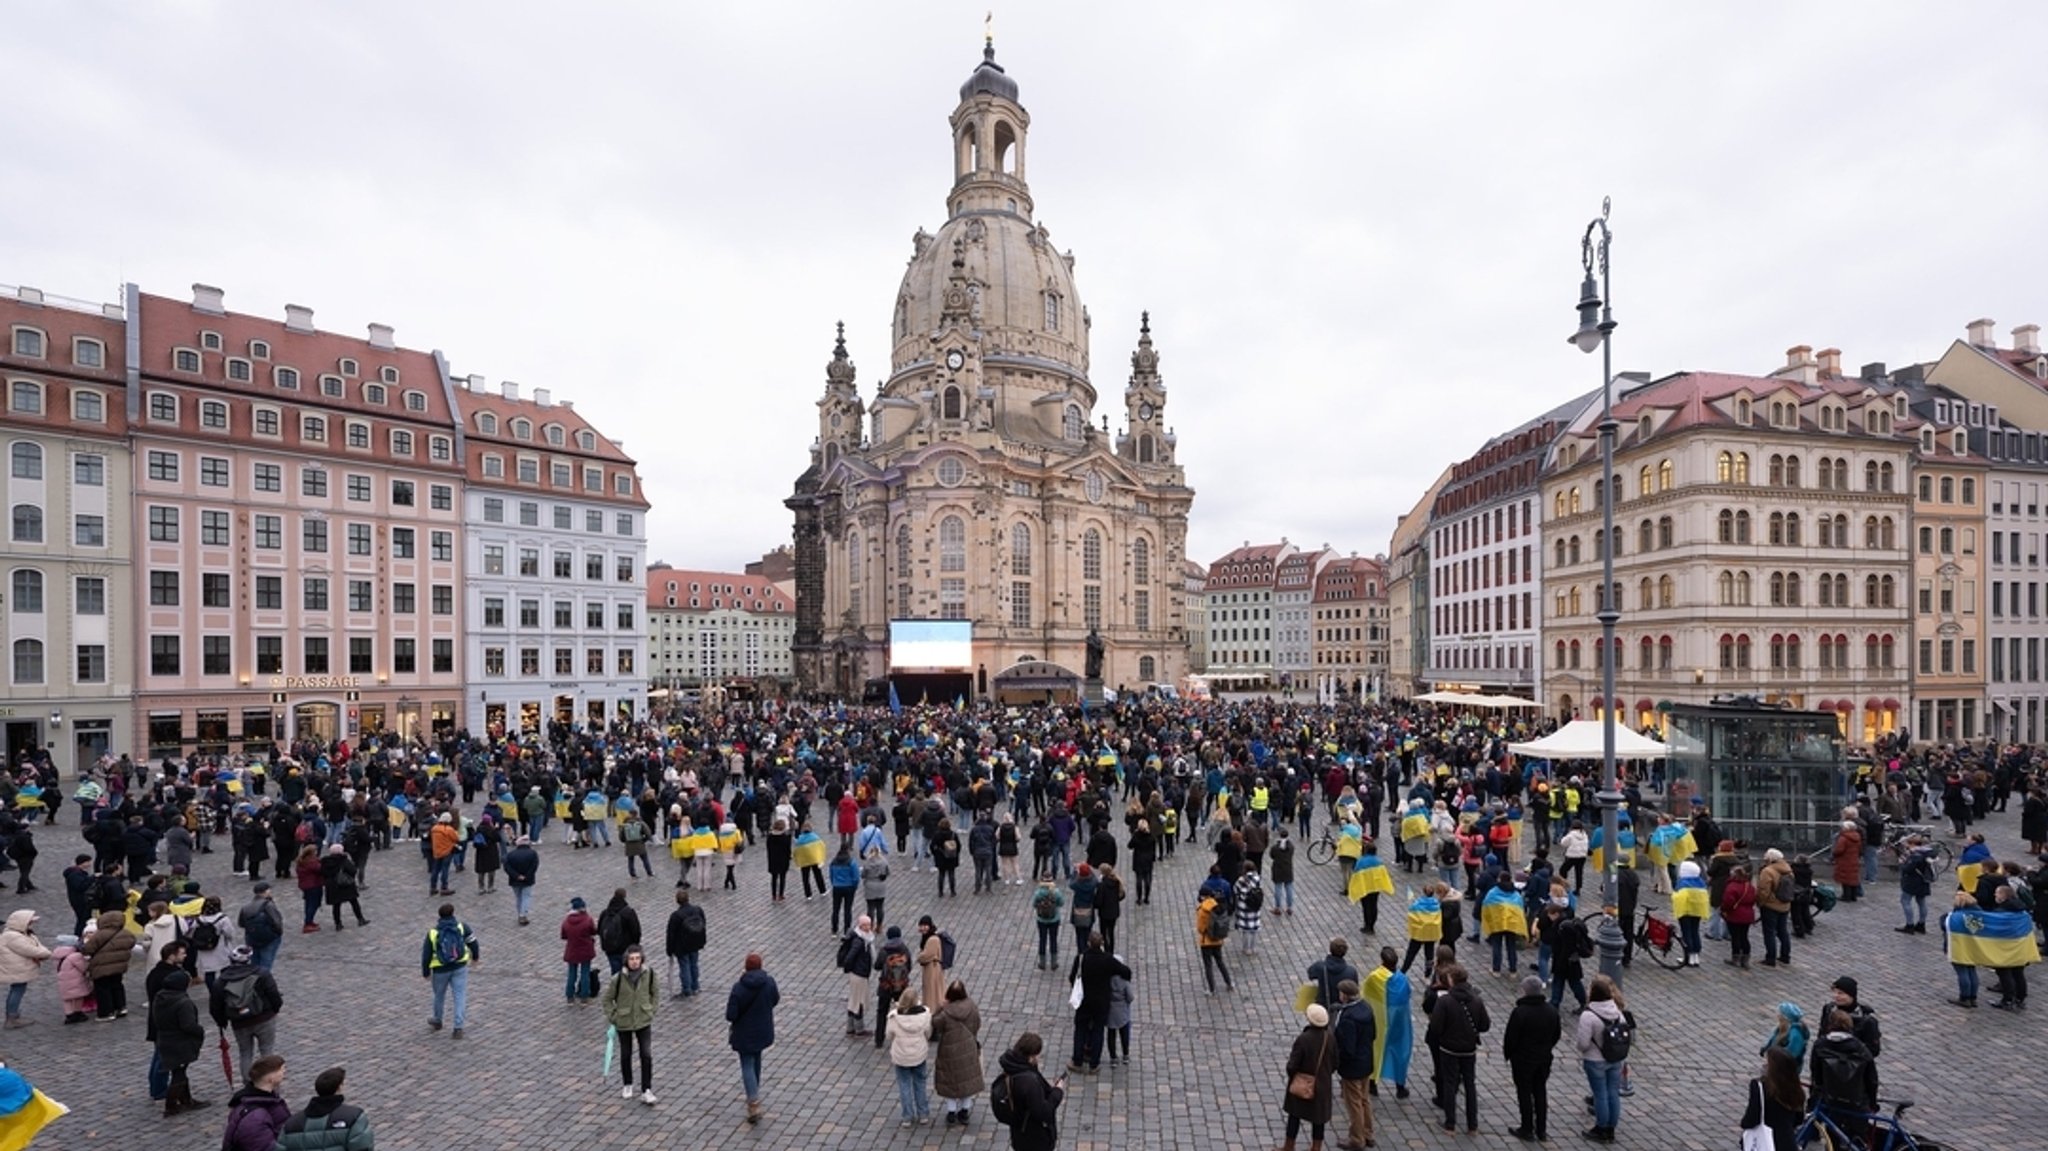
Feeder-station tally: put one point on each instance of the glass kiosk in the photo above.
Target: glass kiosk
(1772, 775)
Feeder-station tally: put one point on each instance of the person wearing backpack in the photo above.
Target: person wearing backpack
(245, 998)
(687, 934)
(857, 961)
(262, 925)
(618, 928)
(1916, 883)
(1603, 1037)
(1774, 889)
(1023, 1099)
(257, 1114)
(1046, 902)
(328, 1121)
(893, 964)
(1212, 927)
(212, 937)
(447, 953)
(1568, 955)
(1456, 1021)
(1844, 1075)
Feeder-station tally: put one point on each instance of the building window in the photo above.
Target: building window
(213, 415)
(88, 407)
(88, 353)
(92, 663)
(90, 594)
(444, 599)
(494, 467)
(269, 478)
(404, 599)
(402, 543)
(163, 525)
(401, 442)
(401, 493)
(1091, 555)
(270, 593)
(442, 545)
(440, 449)
(952, 598)
(359, 595)
(359, 489)
(358, 435)
(313, 482)
(1073, 426)
(269, 532)
(213, 589)
(287, 378)
(444, 656)
(162, 467)
(440, 497)
(313, 536)
(28, 591)
(314, 655)
(1141, 609)
(25, 460)
(952, 545)
(215, 655)
(314, 591)
(362, 655)
(163, 655)
(28, 343)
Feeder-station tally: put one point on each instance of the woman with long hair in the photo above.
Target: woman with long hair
(1776, 1099)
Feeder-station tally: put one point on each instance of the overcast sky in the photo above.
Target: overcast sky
(1356, 226)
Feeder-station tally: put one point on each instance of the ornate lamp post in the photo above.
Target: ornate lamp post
(1596, 330)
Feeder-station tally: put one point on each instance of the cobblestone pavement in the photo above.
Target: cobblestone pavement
(1207, 1071)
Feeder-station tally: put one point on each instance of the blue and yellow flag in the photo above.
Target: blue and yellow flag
(1350, 841)
(594, 806)
(1415, 825)
(1368, 876)
(508, 807)
(1671, 843)
(808, 851)
(704, 841)
(398, 811)
(1970, 865)
(1689, 898)
(1991, 938)
(1426, 920)
(1597, 859)
(24, 1111)
(1503, 912)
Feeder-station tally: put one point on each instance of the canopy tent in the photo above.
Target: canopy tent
(1448, 697)
(1582, 738)
(1505, 701)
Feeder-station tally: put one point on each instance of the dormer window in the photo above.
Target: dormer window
(1644, 426)
(185, 360)
(522, 429)
(388, 374)
(259, 350)
(373, 394)
(554, 434)
(239, 370)
(1927, 439)
(415, 401)
(88, 353)
(1941, 411)
(1073, 426)
(287, 378)
(28, 343)
(348, 367)
(1052, 311)
(486, 423)
(1742, 412)
(1959, 442)
(586, 440)
(210, 341)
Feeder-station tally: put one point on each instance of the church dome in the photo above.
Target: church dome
(1020, 292)
(989, 77)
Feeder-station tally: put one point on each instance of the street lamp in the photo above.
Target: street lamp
(1596, 330)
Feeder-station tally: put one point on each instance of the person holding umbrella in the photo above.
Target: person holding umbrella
(245, 999)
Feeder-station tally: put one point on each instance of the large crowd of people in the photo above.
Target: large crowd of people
(1073, 812)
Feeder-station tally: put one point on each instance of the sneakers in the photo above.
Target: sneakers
(626, 1092)
(649, 1098)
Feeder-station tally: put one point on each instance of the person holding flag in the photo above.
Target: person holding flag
(1970, 864)
(1504, 921)
(1597, 846)
(1425, 929)
(1369, 880)
(2000, 937)
(1387, 990)
(1414, 836)
(1689, 905)
(1671, 843)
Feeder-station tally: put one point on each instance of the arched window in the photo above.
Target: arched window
(952, 544)
(1091, 554)
(1870, 651)
(1777, 589)
(1777, 529)
(1147, 669)
(1791, 529)
(1948, 538)
(1724, 467)
(853, 557)
(1777, 470)
(1560, 653)
(1888, 589)
(1074, 425)
(1666, 475)
(1741, 467)
(1643, 481)
(1870, 476)
(1888, 533)
(1644, 594)
(1141, 561)
(949, 404)
(1020, 550)
(903, 570)
(1575, 653)
(1577, 604)
(1646, 533)
(27, 527)
(28, 591)
(1666, 532)
(1560, 546)
(1575, 501)
(25, 460)
(1558, 507)
(1667, 591)
(28, 661)
(1727, 586)
(1665, 650)
(1870, 591)
(1870, 531)
(1724, 526)
(1885, 473)
(1146, 454)
(1742, 527)
(1599, 543)
(1646, 654)
(1792, 597)
(1743, 586)
(1600, 491)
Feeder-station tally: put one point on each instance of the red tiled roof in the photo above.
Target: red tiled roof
(714, 591)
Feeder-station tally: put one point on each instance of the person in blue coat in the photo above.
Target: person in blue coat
(750, 1012)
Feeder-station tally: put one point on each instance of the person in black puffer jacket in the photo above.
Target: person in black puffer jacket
(1455, 1024)
(179, 1037)
(1034, 1102)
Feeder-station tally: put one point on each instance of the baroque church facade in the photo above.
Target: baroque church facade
(979, 483)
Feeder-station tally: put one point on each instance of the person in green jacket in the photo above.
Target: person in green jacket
(629, 1001)
(328, 1121)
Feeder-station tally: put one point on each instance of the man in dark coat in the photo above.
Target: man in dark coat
(1034, 1102)
(1532, 1033)
(179, 1037)
(1357, 1032)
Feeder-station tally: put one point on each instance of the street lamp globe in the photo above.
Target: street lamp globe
(1589, 335)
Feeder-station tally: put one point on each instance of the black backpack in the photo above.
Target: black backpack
(204, 936)
(1617, 1035)
(611, 931)
(999, 1103)
(1254, 899)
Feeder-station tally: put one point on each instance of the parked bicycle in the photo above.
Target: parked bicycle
(1887, 1132)
(1323, 850)
(1894, 851)
(1654, 936)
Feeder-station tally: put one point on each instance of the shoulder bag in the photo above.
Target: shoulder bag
(1758, 1138)
(1302, 1084)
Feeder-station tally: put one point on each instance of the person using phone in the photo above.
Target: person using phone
(1034, 1102)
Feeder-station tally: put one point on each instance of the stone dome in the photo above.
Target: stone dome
(989, 77)
(1021, 292)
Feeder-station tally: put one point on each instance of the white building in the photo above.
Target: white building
(710, 628)
(555, 529)
(1240, 603)
(1294, 591)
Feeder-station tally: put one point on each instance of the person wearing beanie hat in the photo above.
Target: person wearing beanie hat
(1790, 1033)
(245, 997)
(579, 952)
(750, 1016)
(522, 866)
(893, 964)
(1533, 1030)
(179, 1038)
(1310, 1064)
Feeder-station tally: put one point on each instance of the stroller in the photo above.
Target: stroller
(1808, 897)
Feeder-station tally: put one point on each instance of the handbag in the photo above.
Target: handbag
(1074, 997)
(1302, 1084)
(1759, 1137)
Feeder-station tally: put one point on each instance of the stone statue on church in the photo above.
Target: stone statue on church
(1093, 668)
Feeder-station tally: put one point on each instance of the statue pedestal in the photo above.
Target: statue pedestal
(1091, 691)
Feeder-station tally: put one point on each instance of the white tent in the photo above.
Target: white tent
(1506, 701)
(1582, 738)
(1447, 697)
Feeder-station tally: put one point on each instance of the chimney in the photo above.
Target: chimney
(2027, 338)
(571, 404)
(29, 295)
(380, 336)
(1831, 361)
(543, 397)
(207, 298)
(477, 385)
(509, 390)
(1799, 364)
(1980, 334)
(1873, 372)
(298, 318)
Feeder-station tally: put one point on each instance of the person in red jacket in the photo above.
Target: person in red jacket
(849, 817)
(1738, 910)
(579, 951)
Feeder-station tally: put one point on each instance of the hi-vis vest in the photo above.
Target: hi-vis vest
(1260, 798)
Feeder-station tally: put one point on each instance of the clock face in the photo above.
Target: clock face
(954, 359)
(1144, 411)
(837, 419)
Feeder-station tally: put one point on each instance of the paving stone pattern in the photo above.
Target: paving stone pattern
(1207, 1072)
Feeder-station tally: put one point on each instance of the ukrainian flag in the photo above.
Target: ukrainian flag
(1991, 938)
(1502, 911)
(1350, 841)
(1369, 876)
(24, 1111)
(398, 811)
(1671, 843)
(1597, 859)
(704, 841)
(1415, 824)
(729, 838)
(594, 806)
(808, 851)
(1689, 897)
(29, 796)
(679, 847)
(508, 807)
(562, 808)
(1970, 865)
(1426, 920)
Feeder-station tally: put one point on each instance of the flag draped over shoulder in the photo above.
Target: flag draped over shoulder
(594, 805)
(1426, 920)
(398, 811)
(1991, 938)
(808, 850)
(1387, 992)
(1350, 841)
(24, 1111)
(1415, 825)
(1597, 859)
(1369, 875)
(1689, 898)
(1970, 865)
(508, 807)
(1502, 911)
(1671, 843)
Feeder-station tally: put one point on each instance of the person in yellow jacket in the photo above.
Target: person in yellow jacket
(1212, 927)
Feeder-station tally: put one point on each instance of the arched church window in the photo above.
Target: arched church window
(949, 404)
(1020, 550)
(1052, 312)
(853, 557)
(1145, 449)
(1091, 554)
(1074, 424)
(952, 544)
(903, 567)
(1141, 560)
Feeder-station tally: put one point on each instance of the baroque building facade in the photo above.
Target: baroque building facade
(978, 484)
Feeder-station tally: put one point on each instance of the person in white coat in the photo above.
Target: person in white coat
(21, 956)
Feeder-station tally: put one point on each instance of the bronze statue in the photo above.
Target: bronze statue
(1093, 667)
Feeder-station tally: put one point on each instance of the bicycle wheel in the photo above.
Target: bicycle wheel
(1943, 860)
(1321, 851)
(1669, 955)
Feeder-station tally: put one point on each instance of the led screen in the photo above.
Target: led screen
(930, 644)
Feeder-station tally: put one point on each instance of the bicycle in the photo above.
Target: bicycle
(1893, 852)
(1821, 1128)
(1323, 850)
(1654, 936)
